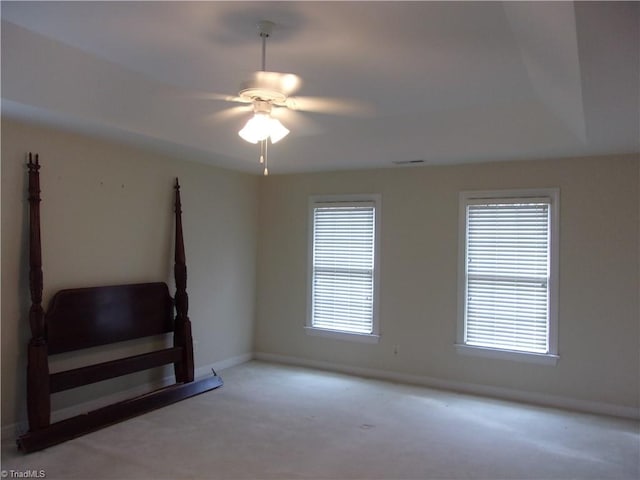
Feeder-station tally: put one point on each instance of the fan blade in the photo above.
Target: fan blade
(286, 83)
(336, 106)
(218, 96)
(299, 124)
(228, 113)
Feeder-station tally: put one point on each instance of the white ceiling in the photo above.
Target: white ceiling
(450, 82)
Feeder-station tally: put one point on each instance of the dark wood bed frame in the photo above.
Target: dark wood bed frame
(88, 317)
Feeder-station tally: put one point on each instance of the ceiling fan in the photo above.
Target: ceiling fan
(268, 92)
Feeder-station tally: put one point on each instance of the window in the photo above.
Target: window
(343, 267)
(509, 274)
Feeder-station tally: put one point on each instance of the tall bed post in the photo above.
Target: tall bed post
(38, 403)
(182, 333)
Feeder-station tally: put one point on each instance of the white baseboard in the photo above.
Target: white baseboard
(223, 364)
(542, 399)
(12, 431)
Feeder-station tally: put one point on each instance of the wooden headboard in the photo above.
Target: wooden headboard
(102, 315)
(81, 318)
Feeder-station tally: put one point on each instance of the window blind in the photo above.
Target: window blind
(343, 263)
(507, 273)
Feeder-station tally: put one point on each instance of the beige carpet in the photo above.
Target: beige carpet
(277, 422)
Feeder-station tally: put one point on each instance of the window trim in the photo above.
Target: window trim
(465, 197)
(319, 200)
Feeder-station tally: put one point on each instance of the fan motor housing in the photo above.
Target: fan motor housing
(265, 94)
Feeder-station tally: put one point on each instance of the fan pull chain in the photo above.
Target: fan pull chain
(266, 168)
(263, 156)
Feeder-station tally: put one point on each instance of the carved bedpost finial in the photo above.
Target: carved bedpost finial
(33, 164)
(34, 178)
(178, 203)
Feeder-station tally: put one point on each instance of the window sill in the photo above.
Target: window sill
(354, 337)
(539, 358)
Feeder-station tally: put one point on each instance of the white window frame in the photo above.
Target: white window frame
(468, 197)
(326, 200)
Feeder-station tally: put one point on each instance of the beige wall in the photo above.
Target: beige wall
(107, 218)
(95, 194)
(598, 306)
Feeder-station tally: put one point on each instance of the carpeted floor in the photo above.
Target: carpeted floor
(279, 422)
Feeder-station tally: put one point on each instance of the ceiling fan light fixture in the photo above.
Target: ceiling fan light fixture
(262, 126)
(257, 128)
(266, 90)
(277, 130)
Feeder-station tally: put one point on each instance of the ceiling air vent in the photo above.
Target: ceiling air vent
(408, 162)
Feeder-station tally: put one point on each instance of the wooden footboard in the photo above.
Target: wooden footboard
(82, 424)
